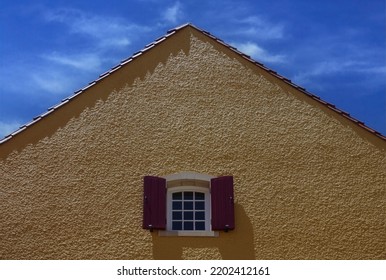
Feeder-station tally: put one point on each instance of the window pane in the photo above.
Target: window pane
(199, 196)
(177, 215)
(200, 205)
(200, 225)
(177, 196)
(188, 195)
(177, 226)
(177, 205)
(188, 211)
(188, 225)
(200, 215)
(188, 215)
(188, 205)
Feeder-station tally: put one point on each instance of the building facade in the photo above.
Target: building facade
(305, 180)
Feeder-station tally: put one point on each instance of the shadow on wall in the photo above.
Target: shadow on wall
(236, 244)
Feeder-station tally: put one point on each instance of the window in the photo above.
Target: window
(188, 210)
(188, 204)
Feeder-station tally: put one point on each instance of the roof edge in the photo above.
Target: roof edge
(170, 33)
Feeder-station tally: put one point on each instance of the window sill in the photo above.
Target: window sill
(188, 233)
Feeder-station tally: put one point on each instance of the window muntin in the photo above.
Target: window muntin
(188, 210)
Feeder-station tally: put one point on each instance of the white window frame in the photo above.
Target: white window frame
(188, 181)
(169, 207)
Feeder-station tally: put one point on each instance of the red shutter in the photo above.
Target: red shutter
(223, 217)
(154, 203)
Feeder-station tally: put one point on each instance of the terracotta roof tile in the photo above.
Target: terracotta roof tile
(161, 39)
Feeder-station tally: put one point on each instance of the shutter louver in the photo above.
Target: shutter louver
(222, 201)
(154, 203)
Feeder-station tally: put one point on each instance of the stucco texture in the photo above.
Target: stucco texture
(308, 184)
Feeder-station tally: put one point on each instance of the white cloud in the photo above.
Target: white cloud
(54, 72)
(375, 70)
(107, 31)
(260, 28)
(53, 82)
(41, 77)
(259, 53)
(339, 65)
(69, 67)
(173, 13)
(87, 62)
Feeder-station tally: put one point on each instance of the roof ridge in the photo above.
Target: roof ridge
(159, 40)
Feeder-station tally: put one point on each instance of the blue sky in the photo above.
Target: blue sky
(336, 49)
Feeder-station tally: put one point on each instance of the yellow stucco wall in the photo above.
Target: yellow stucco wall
(308, 183)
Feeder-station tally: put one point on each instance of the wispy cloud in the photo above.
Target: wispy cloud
(248, 31)
(107, 31)
(42, 77)
(340, 57)
(336, 66)
(260, 28)
(369, 76)
(53, 72)
(85, 62)
(100, 40)
(259, 53)
(174, 13)
(52, 81)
